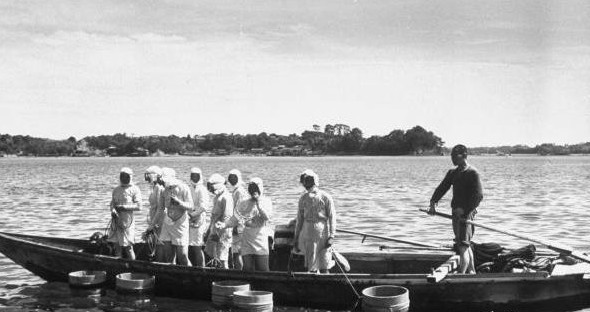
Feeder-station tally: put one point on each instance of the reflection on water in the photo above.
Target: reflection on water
(60, 297)
(544, 196)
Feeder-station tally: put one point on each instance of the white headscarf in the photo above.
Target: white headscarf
(315, 176)
(128, 171)
(169, 177)
(244, 212)
(154, 170)
(239, 175)
(217, 181)
(197, 170)
(258, 182)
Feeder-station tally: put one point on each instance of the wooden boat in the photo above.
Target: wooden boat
(53, 258)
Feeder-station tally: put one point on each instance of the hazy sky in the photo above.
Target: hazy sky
(473, 72)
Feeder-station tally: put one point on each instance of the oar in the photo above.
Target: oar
(399, 240)
(441, 248)
(564, 249)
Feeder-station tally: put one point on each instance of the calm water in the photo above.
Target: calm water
(543, 196)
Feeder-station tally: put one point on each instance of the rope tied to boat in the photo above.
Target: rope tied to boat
(358, 297)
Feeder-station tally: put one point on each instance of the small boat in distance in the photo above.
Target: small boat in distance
(53, 258)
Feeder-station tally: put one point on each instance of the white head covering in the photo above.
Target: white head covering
(168, 176)
(216, 178)
(258, 182)
(197, 170)
(154, 170)
(244, 212)
(238, 174)
(218, 182)
(315, 176)
(170, 181)
(306, 172)
(128, 171)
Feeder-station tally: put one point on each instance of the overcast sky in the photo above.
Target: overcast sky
(473, 72)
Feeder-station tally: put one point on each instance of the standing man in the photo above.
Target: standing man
(316, 225)
(175, 233)
(198, 218)
(125, 200)
(467, 195)
(238, 194)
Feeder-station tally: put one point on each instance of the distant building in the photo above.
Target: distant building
(281, 150)
(82, 149)
(257, 151)
(220, 152)
(112, 151)
(238, 150)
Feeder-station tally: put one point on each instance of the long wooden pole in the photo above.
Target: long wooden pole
(440, 248)
(564, 249)
(399, 240)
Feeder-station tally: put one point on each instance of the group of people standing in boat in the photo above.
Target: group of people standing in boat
(239, 222)
(240, 217)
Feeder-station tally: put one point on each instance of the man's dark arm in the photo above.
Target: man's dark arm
(477, 193)
(443, 187)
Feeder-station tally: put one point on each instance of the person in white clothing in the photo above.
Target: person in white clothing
(316, 225)
(156, 213)
(219, 241)
(238, 193)
(198, 223)
(125, 200)
(175, 233)
(255, 214)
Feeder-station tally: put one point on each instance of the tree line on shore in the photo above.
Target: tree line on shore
(337, 139)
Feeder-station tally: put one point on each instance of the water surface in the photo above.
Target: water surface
(545, 197)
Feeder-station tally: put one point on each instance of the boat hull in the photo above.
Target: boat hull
(53, 262)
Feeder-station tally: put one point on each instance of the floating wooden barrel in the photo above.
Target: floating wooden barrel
(222, 292)
(135, 283)
(386, 298)
(252, 301)
(87, 279)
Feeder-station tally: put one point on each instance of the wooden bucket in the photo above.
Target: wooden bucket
(253, 301)
(222, 292)
(87, 279)
(386, 298)
(135, 283)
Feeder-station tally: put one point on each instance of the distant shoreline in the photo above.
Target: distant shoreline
(288, 156)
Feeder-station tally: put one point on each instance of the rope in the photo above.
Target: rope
(214, 263)
(241, 217)
(115, 226)
(358, 297)
(106, 229)
(151, 238)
